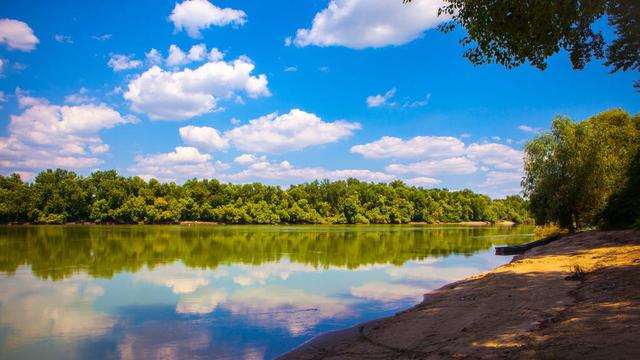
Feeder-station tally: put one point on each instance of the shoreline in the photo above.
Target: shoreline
(578, 297)
(211, 223)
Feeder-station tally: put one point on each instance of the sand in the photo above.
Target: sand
(534, 307)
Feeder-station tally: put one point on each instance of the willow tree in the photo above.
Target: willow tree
(571, 171)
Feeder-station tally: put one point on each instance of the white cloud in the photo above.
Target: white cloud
(102, 37)
(268, 170)
(529, 129)
(176, 56)
(369, 23)
(422, 181)
(3, 97)
(290, 69)
(495, 178)
(24, 100)
(418, 103)
(181, 95)
(417, 147)
(63, 38)
(203, 137)
(17, 35)
(196, 15)
(2, 62)
(80, 97)
(153, 57)
(197, 52)
(179, 165)
(57, 136)
(215, 55)
(295, 130)
(496, 155)
(380, 100)
(501, 183)
(246, 159)
(457, 165)
(119, 62)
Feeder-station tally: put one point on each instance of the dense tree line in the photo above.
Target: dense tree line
(61, 196)
(586, 174)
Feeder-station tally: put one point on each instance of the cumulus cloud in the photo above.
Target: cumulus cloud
(502, 183)
(17, 35)
(81, 97)
(181, 164)
(295, 130)
(25, 100)
(422, 181)
(369, 23)
(119, 62)
(417, 147)
(497, 155)
(457, 165)
(283, 171)
(380, 99)
(246, 159)
(215, 55)
(153, 57)
(176, 56)
(181, 95)
(529, 129)
(203, 137)
(57, 136)
(196, 15)
(179, 57)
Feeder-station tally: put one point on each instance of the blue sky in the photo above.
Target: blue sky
(296, 90)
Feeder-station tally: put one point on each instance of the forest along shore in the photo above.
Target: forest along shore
(575, 298)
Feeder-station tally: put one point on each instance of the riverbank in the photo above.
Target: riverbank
(576, 298)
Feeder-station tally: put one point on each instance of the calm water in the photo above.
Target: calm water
(249, 292)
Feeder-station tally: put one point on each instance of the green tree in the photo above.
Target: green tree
(572, 171)
(511, 33)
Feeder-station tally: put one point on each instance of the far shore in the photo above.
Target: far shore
(575, 298)
(198, 223)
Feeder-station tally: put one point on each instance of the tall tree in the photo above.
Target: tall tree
(571, 172)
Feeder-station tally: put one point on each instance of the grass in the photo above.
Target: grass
(577, 273)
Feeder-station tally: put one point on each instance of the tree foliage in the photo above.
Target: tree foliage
(511, 33)
(60, 196)
(572, 171)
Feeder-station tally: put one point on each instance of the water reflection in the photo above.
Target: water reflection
(217, 292)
